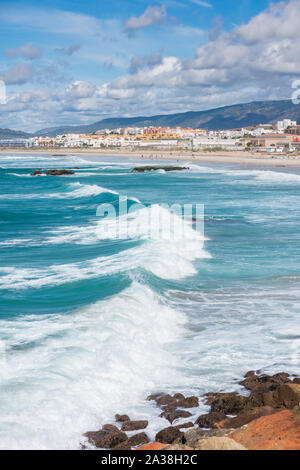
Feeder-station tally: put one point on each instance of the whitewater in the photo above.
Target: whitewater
(91, 322)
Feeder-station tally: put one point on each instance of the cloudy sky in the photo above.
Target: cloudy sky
(71, 62)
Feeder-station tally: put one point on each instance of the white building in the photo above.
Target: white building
(283, 125)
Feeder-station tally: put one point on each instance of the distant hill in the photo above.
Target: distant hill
(228, 117)
(10, 134)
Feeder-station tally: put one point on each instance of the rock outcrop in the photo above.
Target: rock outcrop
(143, 169)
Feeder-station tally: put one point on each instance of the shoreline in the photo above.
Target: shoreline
(265, 417)
(237, 157)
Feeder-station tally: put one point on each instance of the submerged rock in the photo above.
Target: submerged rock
(143, 169)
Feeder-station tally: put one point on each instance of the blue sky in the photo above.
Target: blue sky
(69, 62)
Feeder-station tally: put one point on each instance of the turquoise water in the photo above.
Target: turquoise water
(90, 324)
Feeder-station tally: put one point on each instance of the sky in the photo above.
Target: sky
(71, 62)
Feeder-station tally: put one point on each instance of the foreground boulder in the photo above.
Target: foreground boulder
(279, 431)
(153, 446)
(143, 169)
(244, 418)
(219, 443)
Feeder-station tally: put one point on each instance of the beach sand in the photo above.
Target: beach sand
(183, 155)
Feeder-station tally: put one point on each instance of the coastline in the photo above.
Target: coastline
(265, 416)
(237, 157)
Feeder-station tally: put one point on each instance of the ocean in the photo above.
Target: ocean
(90, 324)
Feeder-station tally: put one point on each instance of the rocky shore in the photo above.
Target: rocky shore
(268, 418)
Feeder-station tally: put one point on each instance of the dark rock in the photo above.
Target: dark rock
(210, 419)
(138, 439)
(166, 400)
(143, 169)
(245, 417)
(37, 172)
(173, 415)
(228, 403)
(106, 439)
(122, 418)
(178, 396)
(59, 172)
(123, 446)
(189, 424)
(110, 427)
(154, 396)
(134, 425)
(168, 435)
(188, 402)
(264, 383)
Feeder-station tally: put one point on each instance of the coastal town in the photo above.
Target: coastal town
(284, 136)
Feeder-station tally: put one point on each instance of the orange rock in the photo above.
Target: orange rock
(279, 431)
(153, 446)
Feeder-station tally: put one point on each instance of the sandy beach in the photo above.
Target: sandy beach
(239, 157)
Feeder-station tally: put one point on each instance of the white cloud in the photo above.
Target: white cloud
(68, 50)
(28, 51)
(279, 21)
(151, 16)
(51, 20)
(200, 3)
(17, 75)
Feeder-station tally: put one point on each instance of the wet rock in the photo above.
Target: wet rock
(259, 384)
(59, 172)
(110, 427)
(121, 418)
(178, 396)
(153, 446)
(166, 400)
(245, 417)
(154, 396)
(173, 415)
(37, 172)
(143, 169)
(228, 403)
(219, 443)
(189, 424)
(279, 431)
(106, 439)
(134, 425)
(210, 419)
(169, 435)
(189, 402)
(123, 446)
(138, 439)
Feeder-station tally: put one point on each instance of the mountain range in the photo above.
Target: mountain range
(228, 117)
